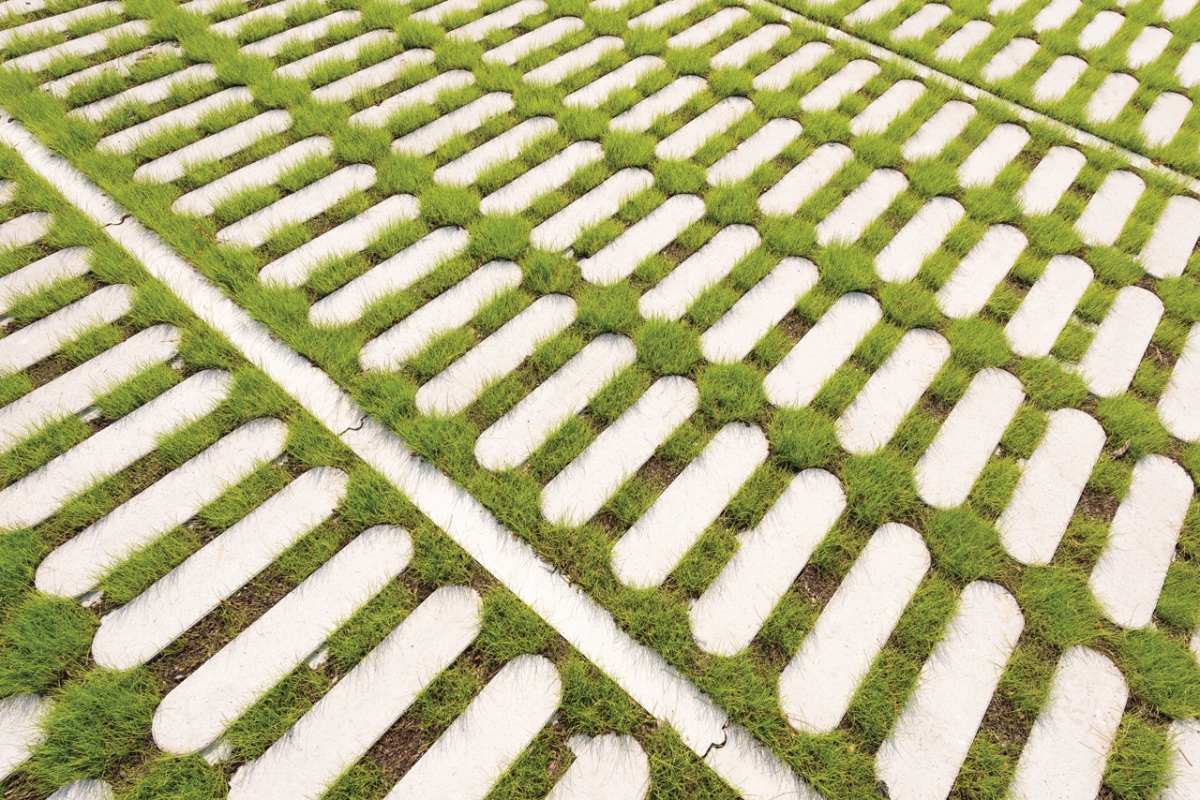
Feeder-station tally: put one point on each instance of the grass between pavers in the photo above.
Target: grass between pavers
(1154, 78)
(964, 544)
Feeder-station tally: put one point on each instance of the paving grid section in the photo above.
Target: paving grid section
(816, 282)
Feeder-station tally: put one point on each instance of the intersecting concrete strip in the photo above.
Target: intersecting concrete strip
(139, 630)
(927, 746)
(38, 495)
(820, 681)
(76, 390)
(21, 719)
(732, 610)
(1037, 516)
(195, 713)
(478, 747)
(795, 380)
(457, 386)
(1179, 406)
(75, 566)
(526, 426)
(1048, 306)
(350, 718)
(733, 336)
(1129, 575)
(658, 541)
(607, 767)
(755, 772)
(38, 340)
(1068, 747)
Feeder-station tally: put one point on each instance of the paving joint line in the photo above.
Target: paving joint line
(974, 92)
(738, 758)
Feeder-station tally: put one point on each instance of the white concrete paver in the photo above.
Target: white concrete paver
(1055, 14)
(1113, 357)
(684, 142)
(1050, 179)
(478, 747)
(1147, 47)
(21, 716)
(1048, 306)
(198, 710)
(848, 80)
(422, 94)
(507, 17)
(966, 440)
(127, 140)
(121, 66)
(922, 22)
(734, 335)
(795, 380)
(1010, 59)
(1100, 30)
(871, 420)
(561, 230)
(960, 43)
(514, 50)
(61, 265)
(663, 13)
(741, 51)
(980, 272)
(567, 64)
(430, 137)
(451, 309)
(1067, 749)
(1114, 94)
(585, 485)
(1185, 760)
(462, 382)
(1141, 542)
(674, 294)
(467, 168)
(709, 28)
(608, 767)
(39, 340)
(619, 258)
(658, 541)
(233, 139)
(732, 610)
(1056, 81)
(372, 77)
(1179, 406)
(804, 179)
(345, 51)
(41, 493)
(300, 206)
(625, 76)
(779, 75)
(551, 174)
(87, 789)
(352, 236)
(666, 100)
(139, 630)
(78, 564)
(25, 229)
(74, 391)
(763, 145)
(820, 681)
(1164, 119)
(920, 238)
(897, 100)
(922, 756)
(360, 708)
(350, 302)
(997, 151)
(308, 32)
(1107, 212)
(846, 223)
(1175, 234)
(515, 436)
(264, 172)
